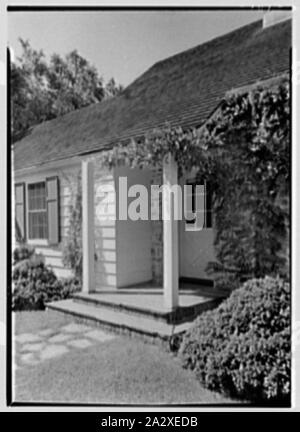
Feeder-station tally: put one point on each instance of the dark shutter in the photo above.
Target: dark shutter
(208, 205)
(53, 209)
(20, 212)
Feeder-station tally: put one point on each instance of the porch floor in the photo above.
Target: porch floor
(147, 298)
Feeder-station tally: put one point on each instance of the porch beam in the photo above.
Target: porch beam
(88, 248)
(170, 235)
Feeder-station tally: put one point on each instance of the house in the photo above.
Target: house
(183, 90)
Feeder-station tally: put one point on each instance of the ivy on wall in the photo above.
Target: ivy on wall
(249, 167)
(243, 151)
(72, 244)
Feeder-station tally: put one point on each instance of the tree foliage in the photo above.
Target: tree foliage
(44, 90)
(112, 88)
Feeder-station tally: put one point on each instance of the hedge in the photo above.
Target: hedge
(243, 347)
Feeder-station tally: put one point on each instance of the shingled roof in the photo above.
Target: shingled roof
(183, 90)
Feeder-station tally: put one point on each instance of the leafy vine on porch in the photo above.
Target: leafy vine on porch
(243, 150)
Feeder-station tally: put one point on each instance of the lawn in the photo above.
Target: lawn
(116, 370)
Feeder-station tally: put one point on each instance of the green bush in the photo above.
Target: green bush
(70, 286)
(22, 252)
(35, 284)
(243, 348)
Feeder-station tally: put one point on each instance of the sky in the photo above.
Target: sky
(121, 44)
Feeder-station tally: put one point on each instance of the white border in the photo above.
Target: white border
(295, 183)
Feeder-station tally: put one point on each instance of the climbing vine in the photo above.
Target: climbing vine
(243, 151)
(72, 244)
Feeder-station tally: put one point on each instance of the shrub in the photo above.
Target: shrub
(36, 284)
(70, 286)
(242, 348)
(22, 252)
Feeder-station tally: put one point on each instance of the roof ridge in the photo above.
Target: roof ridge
(209, 42)
(174, 57)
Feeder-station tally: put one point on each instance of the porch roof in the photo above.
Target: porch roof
(183, 90)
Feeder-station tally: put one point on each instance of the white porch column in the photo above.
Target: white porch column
(88, 252)
(170, 235)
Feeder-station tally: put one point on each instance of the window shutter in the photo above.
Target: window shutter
(20, 219)
(53, 209)
(208, 205)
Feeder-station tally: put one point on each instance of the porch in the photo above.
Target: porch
(124, 300)
(121, 248)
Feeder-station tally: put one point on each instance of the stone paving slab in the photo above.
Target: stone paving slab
(32, 347)
(100, 335)
(52, 351)
(27, 338)
(61, 337)
(80, 343)
(29, 359)
(47, 332)
(75, 328)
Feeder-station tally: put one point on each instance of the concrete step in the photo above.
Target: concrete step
(121, 322)
(128, 301)
(103, 302)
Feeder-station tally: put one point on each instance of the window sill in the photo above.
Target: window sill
(38, 242)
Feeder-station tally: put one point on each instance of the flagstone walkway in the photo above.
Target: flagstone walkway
(33, 348)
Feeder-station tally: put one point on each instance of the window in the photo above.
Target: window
(37, 211)
(207, 204)
(193, 198)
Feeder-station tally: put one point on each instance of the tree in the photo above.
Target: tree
(30, 102)
(112, 88)
(73, 83)
(44, 90)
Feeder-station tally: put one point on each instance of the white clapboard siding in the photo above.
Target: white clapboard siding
(104, 280)
(105, 231)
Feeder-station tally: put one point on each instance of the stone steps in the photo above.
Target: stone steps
(121, 321)
(141, 311)
(179, 316)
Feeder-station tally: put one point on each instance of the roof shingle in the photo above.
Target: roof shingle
(183, 90)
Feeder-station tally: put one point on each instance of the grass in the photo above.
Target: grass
(25, 322)
(119, 371)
